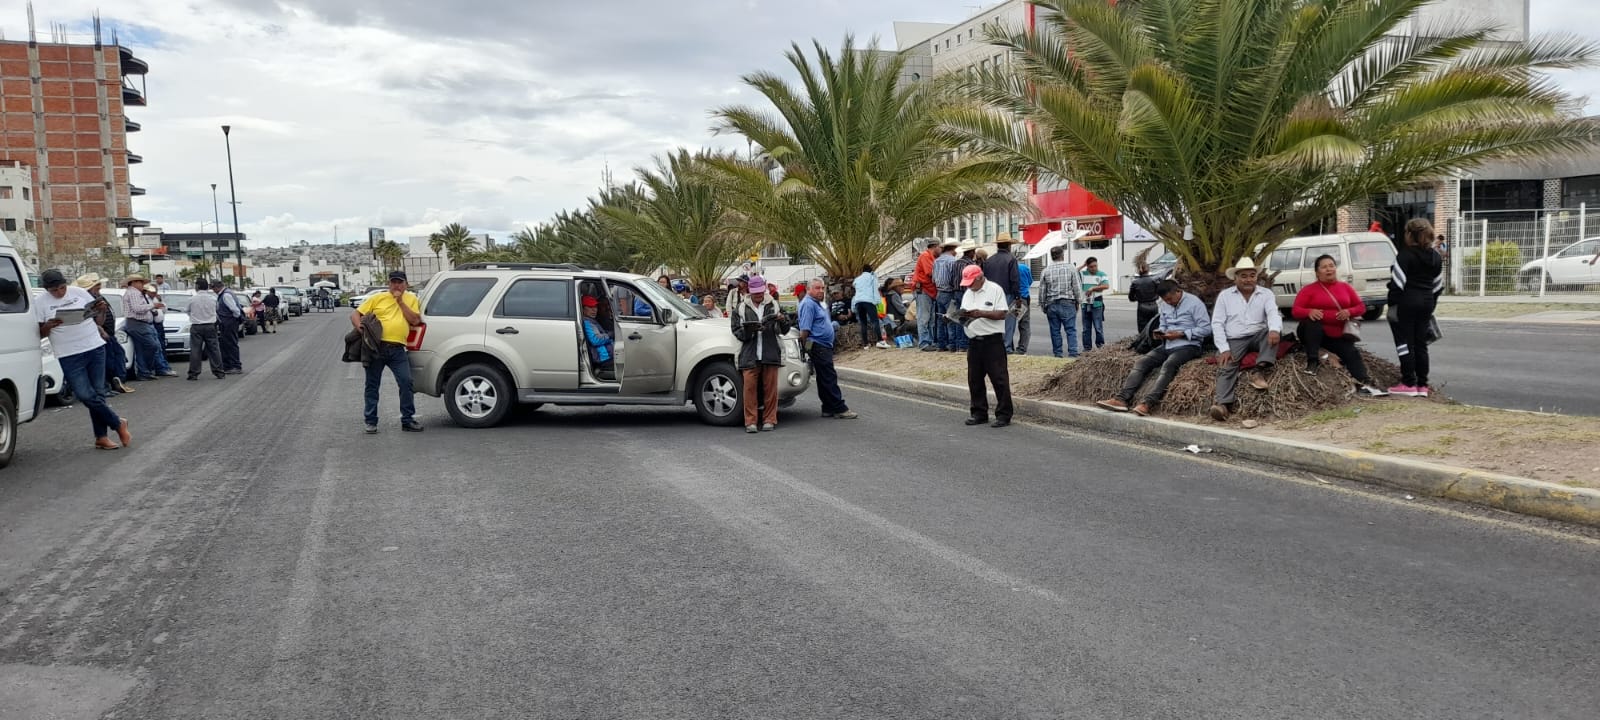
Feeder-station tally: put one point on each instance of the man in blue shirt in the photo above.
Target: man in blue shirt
(1019, 337)
(866, 307)
(1184, 326)
(945, 276)
(816, 332)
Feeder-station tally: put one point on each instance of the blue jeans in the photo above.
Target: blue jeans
(926, 321)
(867, 318)
(393, 357)
(952, 335)
(145, 348)
(116, 361)
(161, 348)
(827, 380)
(85, 373)
(1094, 326)
(1062, 314)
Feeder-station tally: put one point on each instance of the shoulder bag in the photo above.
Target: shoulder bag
(1352, 327)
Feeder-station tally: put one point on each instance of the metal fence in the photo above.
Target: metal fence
(1541, 253)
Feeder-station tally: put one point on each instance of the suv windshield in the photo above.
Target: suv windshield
(287, 290)
(660, 296)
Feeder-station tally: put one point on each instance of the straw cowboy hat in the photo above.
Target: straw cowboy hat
(88, 280)
(951, 243)
(1244, 263)
(136, 277)
(967, 247)
(1004, 238)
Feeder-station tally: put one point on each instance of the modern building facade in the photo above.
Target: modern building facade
(16, 209)
(63, 114)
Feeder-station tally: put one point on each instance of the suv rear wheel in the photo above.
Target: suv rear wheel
(718, 391)
(8, 428)
(478, 396)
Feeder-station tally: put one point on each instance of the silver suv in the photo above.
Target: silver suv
(494, 335)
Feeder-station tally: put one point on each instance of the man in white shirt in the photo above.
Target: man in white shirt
(203, 341)
(81, 351)
(983, 312)
(1245, 319)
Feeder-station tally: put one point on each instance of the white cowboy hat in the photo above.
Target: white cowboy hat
(951, 243)
(1244, 263)
(967, 247)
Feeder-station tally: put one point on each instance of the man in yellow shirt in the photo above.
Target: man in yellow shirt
(398, 311)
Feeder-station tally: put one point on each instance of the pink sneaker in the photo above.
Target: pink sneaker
(1422, 391)
(1403, 391)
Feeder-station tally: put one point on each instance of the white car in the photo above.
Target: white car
(21, 383)
(361, 297)
(1574, 266)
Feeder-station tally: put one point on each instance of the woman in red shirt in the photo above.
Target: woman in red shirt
(1323, 308)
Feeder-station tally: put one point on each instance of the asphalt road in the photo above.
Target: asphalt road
(1544, 367)
(254, 555)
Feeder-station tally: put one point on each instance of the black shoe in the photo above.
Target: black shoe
(971, 421)
(1002, 422)
(929, 348)
(192, 378)
(412, 426)
(237, 371)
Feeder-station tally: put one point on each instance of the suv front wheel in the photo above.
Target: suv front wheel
(717, 393)
(478, 396)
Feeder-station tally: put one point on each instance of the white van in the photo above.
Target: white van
(1364, 259)
(21, 356)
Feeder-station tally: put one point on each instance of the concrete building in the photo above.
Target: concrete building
(16, 209)
(62, 112)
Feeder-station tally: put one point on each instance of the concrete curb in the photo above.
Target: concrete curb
(1504, 492)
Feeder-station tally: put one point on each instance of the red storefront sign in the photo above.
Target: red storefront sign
(1072, 208)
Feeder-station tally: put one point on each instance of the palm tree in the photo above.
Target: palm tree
(436, 244)
(680, 222)
(457, 242)
(865, 168)
(389, 253)
(1248, 120)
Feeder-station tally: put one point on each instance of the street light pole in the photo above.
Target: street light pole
(233, 199)
(216, 216)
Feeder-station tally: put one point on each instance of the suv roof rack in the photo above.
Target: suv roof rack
(517, 266)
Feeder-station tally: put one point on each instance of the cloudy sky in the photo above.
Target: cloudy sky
(407, 114)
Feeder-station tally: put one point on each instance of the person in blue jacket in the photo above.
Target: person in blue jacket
(601, 356)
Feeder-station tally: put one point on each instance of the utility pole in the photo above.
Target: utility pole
(233, 199)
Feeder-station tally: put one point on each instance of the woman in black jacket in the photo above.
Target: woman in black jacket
(1143, 291)
(1415, 281)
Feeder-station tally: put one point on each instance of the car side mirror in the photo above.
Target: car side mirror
(668, 317)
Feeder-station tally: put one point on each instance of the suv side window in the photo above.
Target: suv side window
(1285, 259)
(538, 300)
(1375, 255)
(12, 299)
(631, 305)
(1313, 253)
(458, 297)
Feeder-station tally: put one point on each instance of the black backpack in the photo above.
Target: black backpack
(1146, 340)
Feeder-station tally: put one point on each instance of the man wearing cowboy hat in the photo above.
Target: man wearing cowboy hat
(139, 313)
(946, 278)
(116, 359)
(1244, 320)
(1001, 269)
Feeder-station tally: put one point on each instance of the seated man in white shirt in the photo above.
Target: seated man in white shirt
(1245, 319)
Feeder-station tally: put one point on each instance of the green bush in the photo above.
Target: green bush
(1505, 258)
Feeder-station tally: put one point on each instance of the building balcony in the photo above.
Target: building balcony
(135, 190)
(131, 126)
(135, 158)
(132, 96)
(130, 64)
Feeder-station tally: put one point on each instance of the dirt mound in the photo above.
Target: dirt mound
(1098, 375)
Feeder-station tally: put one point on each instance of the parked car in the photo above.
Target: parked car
(176, 322)
(1573, 266)
(1364, 260)
(495, 335)
(21, 355)
(361, 297)
(294, 301)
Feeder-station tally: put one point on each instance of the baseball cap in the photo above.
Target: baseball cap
(52, 278)
(397, 275)
(758, 284)
(589, 301)
(972, 272)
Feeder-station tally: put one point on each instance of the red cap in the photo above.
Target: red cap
(972, 272)
(589, 301)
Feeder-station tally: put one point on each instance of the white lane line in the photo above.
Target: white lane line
(294, 623)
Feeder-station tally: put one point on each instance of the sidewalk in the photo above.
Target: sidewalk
(1521, 309)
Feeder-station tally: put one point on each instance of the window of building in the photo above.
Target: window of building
(458, 297)
(958, 39)
(1502, 195)
(5, 192)
(27, 225)
(25, 193)
(1577, 191)
(538, 299)
(10, 224)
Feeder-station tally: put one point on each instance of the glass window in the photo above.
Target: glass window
(632, 304)
(12, 297)
(1580, 250)
(5, 192)
(25, 193)
(458, 297)
(10, 224)
(1313, 253)
(1282, 258)
(1578, 191)
(538, 299)
(1371, 255)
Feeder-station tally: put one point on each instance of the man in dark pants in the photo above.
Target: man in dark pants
(397, 312)
(1183, 330)
(229, 314)
(983, 312)
(203, 341)
(816, 331)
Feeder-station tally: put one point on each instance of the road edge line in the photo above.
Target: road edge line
(1520, 495)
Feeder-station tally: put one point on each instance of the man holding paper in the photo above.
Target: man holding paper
(81, 352)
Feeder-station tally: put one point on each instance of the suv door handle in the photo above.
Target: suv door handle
(506, 331)
(636, 336)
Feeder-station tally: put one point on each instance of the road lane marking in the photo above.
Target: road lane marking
(294, 623)
(1375, 492)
